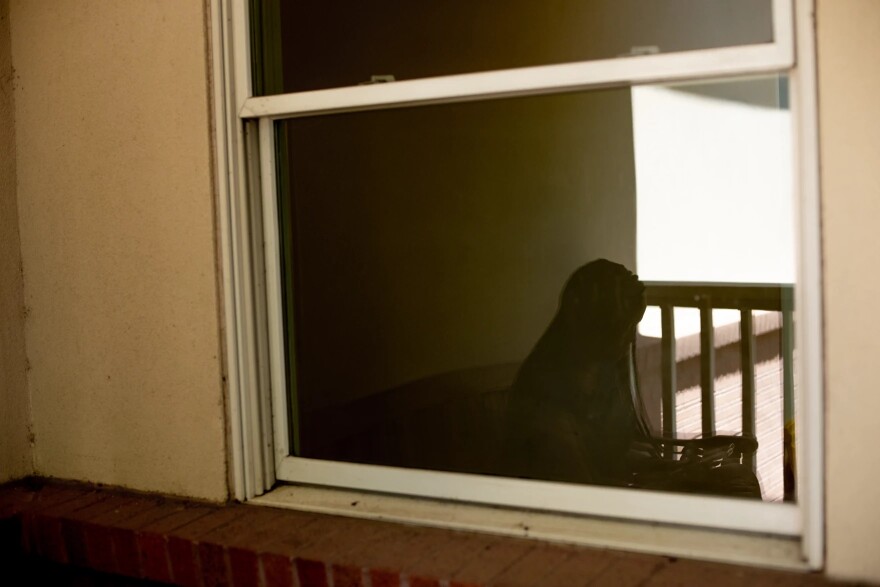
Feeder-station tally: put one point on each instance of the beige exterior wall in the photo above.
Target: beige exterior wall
(849, 97)
(15, 450)
(116, 213)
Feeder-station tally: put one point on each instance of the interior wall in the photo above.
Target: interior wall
(345, 42)
(436, 239)
(15, 449)
(849, 94)
(117, 237)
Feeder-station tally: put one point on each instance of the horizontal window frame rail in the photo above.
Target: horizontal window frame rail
(723, 296)
(680, 509)
(605, 73)
(775, 56)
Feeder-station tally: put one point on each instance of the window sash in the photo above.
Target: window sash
(665, 67)
(726, 62)
(687, 509)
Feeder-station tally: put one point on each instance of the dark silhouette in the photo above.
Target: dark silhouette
(570, 416)
(575, 414)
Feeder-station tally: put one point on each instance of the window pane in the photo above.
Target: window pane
(446, 309)
(698, 155)
(310, 45)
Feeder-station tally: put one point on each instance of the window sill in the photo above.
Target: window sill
(191, 543)
(759, 550)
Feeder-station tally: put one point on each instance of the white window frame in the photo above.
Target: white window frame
(259, 450)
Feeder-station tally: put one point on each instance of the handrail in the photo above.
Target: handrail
(734, 296)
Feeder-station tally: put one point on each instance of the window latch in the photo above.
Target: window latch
(378, 79)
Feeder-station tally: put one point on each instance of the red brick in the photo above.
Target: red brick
(75, 542)
(277, 570)
(255, 526)
(61, 521)
(423, 582)
(212, 562)
(534, 568)
(153, 545)
(49, 540)
(582, 567)
(683, 573)
(184, 562)
(97, 509)
(95, 535)
(244, 567)
(629, 570)
(27, 539)
(41, 528)
(128, 508)
(8, 511)
(493, 560)
(311, 573)
(15, 498)
(391, 547)
(54, 495)
(384, 578)
(125, 547)
(216, 517)
(287, 536)
(153, 515)
(335, 539)
(99, 546)
(153, 554)
(175, 520)
(347, 576)
(450, 552)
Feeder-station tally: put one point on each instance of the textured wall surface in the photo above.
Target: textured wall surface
(15, 451)
(117, 237)
(849, 95)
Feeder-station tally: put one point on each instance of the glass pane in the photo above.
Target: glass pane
(459, 295)
(697, 157)
(310, 45)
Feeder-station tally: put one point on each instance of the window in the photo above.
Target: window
(418, 194)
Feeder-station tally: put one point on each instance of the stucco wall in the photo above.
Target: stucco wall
(117, 236)
(15, 452)
(849, 94)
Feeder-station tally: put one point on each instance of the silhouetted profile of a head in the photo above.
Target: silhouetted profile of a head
(570, 412)
(600, 306)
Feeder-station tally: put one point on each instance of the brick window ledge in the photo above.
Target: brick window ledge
(198, 544)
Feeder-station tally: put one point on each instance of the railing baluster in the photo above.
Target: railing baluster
(707, 366)
(789, 473)
(747, 366)
(787, 364)
(668, 366)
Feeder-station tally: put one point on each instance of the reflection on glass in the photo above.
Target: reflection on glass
(310, 45)
(460, 289)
